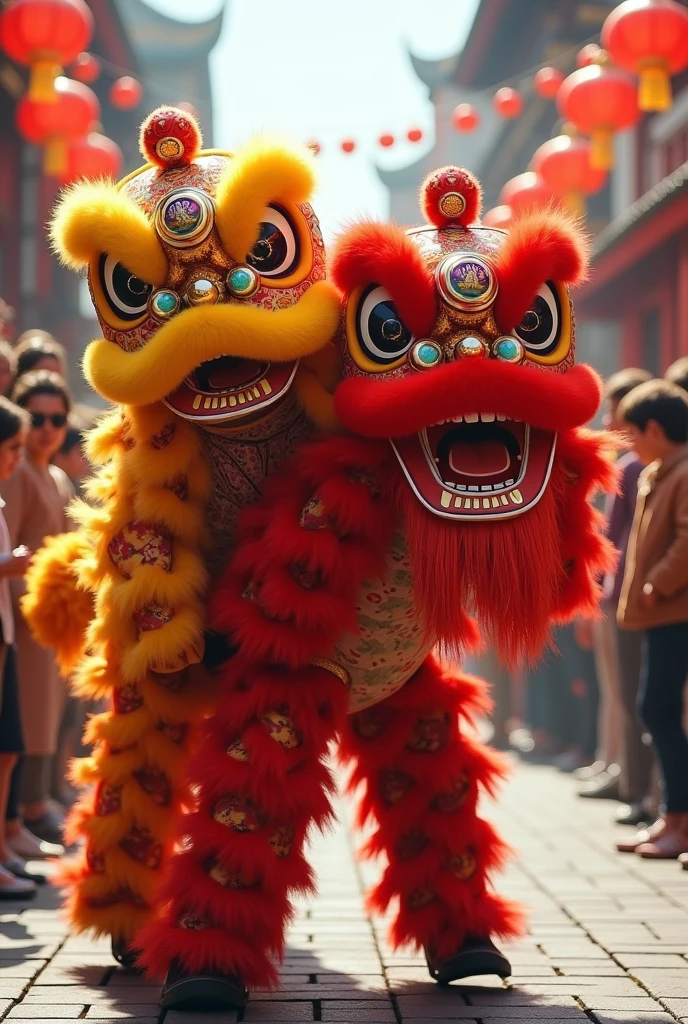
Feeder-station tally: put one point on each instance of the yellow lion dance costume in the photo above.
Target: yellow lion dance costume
(207, 273)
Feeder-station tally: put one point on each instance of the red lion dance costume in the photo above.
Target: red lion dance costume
(460, 485)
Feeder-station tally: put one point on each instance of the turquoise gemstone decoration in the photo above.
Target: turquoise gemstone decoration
(239, 280)
(425, 354)
(509, 350)
(428, 355)
(164, 303)
(242, 281)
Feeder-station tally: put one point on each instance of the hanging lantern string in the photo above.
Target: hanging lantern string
(521, 81)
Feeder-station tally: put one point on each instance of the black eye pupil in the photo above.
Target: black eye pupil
(392, 330)
(137, 286)
(262, 249)
(531, 321)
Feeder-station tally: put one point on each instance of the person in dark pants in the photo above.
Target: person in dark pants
(654, 597)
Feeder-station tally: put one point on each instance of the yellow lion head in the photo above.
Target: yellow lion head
(206, 270)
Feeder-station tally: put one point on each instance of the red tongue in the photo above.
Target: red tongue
(485, 458)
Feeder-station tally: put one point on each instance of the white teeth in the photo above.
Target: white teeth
(461, 487)
(500, 417)
(448, 483)
(508, 483)
(458, 419)
(472, 417)
(498, 487)
(473, 488)
(486, 488)
(487, 417)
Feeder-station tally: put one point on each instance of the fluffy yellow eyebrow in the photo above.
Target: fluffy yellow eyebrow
(95, 218)
(261, 172)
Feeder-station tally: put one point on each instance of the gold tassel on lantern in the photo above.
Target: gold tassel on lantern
(42, 81)
(602, 149)
(654, 90)
(55, 156)
(575, 203)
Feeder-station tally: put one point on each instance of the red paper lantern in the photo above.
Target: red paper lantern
(525, 192)
(547, 81)
(587, 55)
(55, 124)
(564, 164)
(86, 68)
(93, 156)
(508, 102)
(125, 93)
(599, 100)
(649, 38)
(46, 35)
(348, 145)
(414, 134)
(386, 141)
(465, 118)
(499, 217)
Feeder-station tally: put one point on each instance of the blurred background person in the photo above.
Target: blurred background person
(15, 881)
(677, 373)
(36, 495)
(623, 766)
(8, 367)
(38, 350)
(654, 598)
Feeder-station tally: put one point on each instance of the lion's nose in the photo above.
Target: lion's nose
(202, 292)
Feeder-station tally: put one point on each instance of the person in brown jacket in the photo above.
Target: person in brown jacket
(654, 597)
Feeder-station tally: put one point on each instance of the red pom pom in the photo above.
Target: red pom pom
(451, 196)
(170, 137)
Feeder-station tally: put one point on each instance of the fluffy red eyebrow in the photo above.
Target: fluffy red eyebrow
(384, 254)
(546, 245)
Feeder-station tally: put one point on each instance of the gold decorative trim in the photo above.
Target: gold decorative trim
(336, 670)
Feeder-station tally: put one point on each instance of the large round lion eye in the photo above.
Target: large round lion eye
(540, 328)
(382, 334)
(275, 252)
(127, 295)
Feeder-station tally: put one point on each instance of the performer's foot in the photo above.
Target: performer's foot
(477, 956)
(206, 991)
(124, 955)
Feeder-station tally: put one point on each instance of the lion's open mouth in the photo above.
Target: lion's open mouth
(477, 466)
(228, 387)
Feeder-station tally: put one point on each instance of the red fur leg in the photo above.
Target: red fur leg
(421, 774)
(261, 782)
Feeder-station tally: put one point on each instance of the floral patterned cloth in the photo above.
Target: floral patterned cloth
(390, 646)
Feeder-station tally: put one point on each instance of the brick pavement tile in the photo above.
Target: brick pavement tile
(23, 968)
(677, 1006)
(642, 1005)
(188, 1017)
(663, 983)
(659, 960)
(67, 1011)
(74, 993)
(346, 1012)
(308, 992)
(633, 1017)
(128, 1011)
(541, 1014)
(273, 1012)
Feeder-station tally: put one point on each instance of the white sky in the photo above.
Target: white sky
(329, 70)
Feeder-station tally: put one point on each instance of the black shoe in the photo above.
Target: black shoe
(633, 814)
(477, 956)
(125, 956)
(207, 991)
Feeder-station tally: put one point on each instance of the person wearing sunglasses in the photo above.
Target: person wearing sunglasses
(36, 496)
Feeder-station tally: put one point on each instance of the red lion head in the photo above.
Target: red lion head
(458, 346)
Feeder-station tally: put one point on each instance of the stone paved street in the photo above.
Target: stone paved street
(608, 943)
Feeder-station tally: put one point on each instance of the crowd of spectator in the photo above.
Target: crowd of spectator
(608, 701)
(41, 469)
